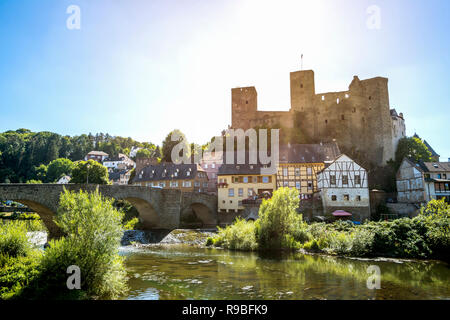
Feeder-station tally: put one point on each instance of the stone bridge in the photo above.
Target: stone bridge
(158, 208)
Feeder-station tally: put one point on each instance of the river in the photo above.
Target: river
(187, 272)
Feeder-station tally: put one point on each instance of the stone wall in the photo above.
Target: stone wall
(158, 208)
(359, 119)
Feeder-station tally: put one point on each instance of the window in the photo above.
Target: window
(231, 192)
(174, 184)
(250, 192)
(346, 197)
(206, 166)
(444, 176)
(332, 179)
(342, 117)
(297, 172)
(333, 198)
(255, 179)
(285, 172)
(265, 179)
(205, 184)
(439, 176)
(310, 185)
(188, 173)
(187, 184)
(337, 101)
(358, 198)
(176, 174)
(357, 179)
(245, 179)
(197, 184)
(309, 171)
(297, 185)
(344, 179)
(285, 184)
(162, 184)
(323, 98)
(240, 192)
(213, 166)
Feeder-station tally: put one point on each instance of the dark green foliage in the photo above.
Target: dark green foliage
(93, 230)
(91, 171)
(13, 239)
(412, 148)
(23, 151)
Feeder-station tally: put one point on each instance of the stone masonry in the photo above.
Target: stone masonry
(158, 208)
(360, 119)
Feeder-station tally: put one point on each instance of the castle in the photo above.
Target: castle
(360, 119)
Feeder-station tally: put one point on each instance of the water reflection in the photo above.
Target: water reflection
(182, 272)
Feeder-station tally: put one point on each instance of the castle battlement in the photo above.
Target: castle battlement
(359, 119)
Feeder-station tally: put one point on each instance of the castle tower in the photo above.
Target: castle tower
(302, 90)
(244, 105)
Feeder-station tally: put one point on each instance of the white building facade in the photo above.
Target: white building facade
(344, 185)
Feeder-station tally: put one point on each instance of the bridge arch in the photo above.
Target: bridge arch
(45, 212)
(148, 216)
(203, 213)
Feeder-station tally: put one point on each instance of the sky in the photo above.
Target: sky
(143, 68)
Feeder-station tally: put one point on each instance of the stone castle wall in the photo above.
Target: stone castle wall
(359, 119)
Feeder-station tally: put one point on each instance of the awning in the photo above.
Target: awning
(341, 213)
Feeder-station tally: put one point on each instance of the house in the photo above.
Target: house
(211, 162)
(184, 177)
(98, 156)
(299, 164)
(237, 182)
(64, 180)
(134, 151)
(120, 162)
(421, 182)
(120, 177)
(343, 185)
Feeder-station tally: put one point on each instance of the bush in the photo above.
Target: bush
(13, 239)
(278, 220)
(17, 273)
(93, 229)
(238, 236)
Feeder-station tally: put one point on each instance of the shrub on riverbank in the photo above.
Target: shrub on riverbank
(280, 227)
(13, 240)
(93, 230)
(239, 236)
(279, 221)
(18, 260)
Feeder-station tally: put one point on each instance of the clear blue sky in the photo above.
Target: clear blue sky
(143, 68)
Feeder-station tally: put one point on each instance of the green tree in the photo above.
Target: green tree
(93, 230)
(89, 170)
(278, 219)
(168, 145)
(413, 148)
(143, 154)
(41, 172)
(58, 168)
